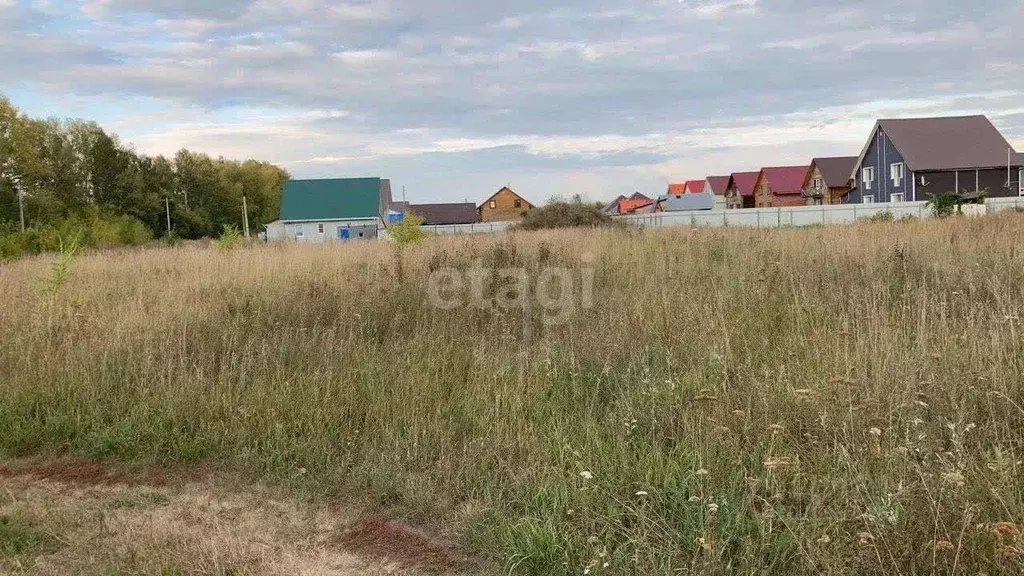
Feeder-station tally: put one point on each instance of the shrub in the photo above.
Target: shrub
(885, 216)
(944, 205)
(560, 214)
(230, 238)
(407, 231)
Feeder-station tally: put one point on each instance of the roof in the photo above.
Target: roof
(745, 182)
(450, 213)
(835, 171)
(785, 179)
(630, 204)
(331, 199)
(677, 188)
(613, 206)
(719, 184)
(502, 189)
(684, 202)
(950, 143)
(694, 186)
(639, 196)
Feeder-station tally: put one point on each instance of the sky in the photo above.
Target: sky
(452, 99)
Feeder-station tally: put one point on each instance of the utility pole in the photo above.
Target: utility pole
(167, 204)
(245, 217)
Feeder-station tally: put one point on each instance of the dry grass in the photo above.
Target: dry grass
(830, 400)
(87, 525)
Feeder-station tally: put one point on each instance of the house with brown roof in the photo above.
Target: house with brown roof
(740, 193)
(916, 158)
(504, 206)
(828, 180)
(780, 186)
(448, 213)
(718, 186)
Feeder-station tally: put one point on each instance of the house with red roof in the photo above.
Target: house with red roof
(676, 189)
(694, 187)
(780, 186)
(740, 192)
(627, 204)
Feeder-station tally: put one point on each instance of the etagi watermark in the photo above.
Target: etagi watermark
(558, 291)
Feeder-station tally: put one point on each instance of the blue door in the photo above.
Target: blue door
(343, 233)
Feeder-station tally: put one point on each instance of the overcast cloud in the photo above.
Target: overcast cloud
(455, 98)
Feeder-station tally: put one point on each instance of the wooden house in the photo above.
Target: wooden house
(504, 206)
(780, 186)
(828, 181)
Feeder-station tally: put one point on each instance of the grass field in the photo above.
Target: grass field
(807, 401)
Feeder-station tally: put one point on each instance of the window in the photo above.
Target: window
(868, 176)
(897, 197)
(1020, 181)
(297, 230)
(518, 203)
(493, 204)
(869, 199)
(817, 183)
(896, 173)
(320, 228)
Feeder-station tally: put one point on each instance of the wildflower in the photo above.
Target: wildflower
(824, 539)
(1006, 530)
(876, 432)
(641, 493)
(944, 546)
(713, 508)
(302, 471)
(586, 475)
(694, 499)
(702, 472)
(953, 479)
(606, 564)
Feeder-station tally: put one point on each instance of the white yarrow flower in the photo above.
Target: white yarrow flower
(586, 475)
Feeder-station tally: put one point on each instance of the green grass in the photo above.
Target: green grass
(19, 537)
(826, 401)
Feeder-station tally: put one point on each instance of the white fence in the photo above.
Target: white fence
(477, 228)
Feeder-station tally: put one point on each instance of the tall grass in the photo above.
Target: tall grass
(831, 400)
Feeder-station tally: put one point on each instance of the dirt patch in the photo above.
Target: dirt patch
(379, 538)
(75, 472)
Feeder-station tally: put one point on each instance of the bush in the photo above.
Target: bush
(560, 214)
(93, 231)
(885, 216)
(230, 238)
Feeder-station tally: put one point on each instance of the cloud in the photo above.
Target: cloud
(636, 90)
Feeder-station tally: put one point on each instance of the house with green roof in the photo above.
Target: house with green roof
(332, 209)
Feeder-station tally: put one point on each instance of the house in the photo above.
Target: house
(637, 200)
(450, 213)
(504, 206)
(694, 187)
(828, 181)
(740, 193)
(780, 186)
(332, 209)
(1020, 176)
(719, 187)
(916, 158)
(685, 202)
(674, 189)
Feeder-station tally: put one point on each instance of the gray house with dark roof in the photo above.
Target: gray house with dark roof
(917, 158)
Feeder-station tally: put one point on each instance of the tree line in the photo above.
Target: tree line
(55, 172)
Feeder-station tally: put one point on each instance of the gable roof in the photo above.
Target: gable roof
(639, 196)
(949, 143)
(745, 182)
(677, 188)
(836, 170)
(450, 213)
(613, 206)
(630, 204)
(785, 179)
(719, 184)
(694, 186)
(503, 189)
(331, 199)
